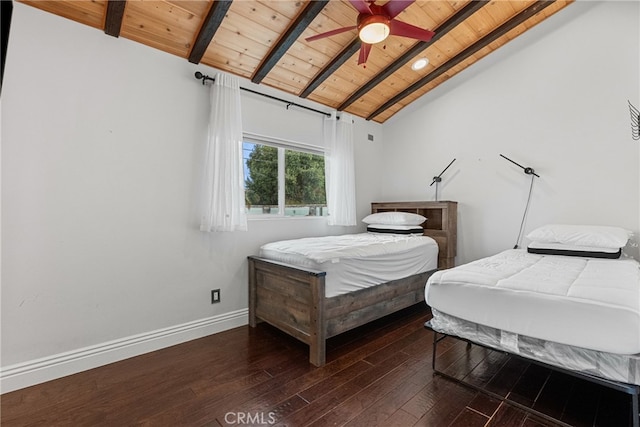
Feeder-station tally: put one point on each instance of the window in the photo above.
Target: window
(283, 179)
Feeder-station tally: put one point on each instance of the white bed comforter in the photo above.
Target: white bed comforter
(584, 302)
(333, 248)
(357, 261)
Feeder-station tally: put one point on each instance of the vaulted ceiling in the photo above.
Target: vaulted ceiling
(264, 41)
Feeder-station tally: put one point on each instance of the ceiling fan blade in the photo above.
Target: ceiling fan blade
(330, 33)
(365, 48)
(361, 6)
(393, 7)
(399, 28)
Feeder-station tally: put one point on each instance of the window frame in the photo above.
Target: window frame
(282, 145)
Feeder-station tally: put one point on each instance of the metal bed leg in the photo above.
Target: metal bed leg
(436, 340)
(635, 411)
(433, 354)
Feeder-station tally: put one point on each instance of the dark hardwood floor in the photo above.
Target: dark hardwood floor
(377, 375)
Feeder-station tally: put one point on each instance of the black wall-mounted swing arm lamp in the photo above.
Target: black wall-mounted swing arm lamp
(528, 171)
(439, 177)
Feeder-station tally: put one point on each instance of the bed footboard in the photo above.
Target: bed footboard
(291, 299)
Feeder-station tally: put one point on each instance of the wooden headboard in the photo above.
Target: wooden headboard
(441, 224)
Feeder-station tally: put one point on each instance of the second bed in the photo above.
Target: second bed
(577, 313)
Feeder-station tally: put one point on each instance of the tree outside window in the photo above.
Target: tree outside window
(302, 174)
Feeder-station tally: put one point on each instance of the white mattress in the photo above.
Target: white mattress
(357, 261)
(583, 302)
(616, 367)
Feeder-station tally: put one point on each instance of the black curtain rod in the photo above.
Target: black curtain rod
(204, 78)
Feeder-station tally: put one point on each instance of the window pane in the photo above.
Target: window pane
(304, 184)
(283, 181)
(260, 178)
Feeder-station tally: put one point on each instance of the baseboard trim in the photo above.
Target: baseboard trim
(37, 371)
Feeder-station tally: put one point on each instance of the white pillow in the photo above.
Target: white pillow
(595, 236)
(394, 218)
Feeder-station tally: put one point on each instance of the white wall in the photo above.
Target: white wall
(555, 100)
(101, 143)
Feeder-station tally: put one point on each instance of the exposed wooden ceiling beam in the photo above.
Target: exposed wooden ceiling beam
(457, 18)
(331, 67)
(209, 27)
(303, 20)
(6, 7)
(115, 13)
(489, 38)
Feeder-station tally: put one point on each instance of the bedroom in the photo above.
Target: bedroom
(99, 241)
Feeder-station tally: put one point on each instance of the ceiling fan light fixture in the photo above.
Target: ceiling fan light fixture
(419, 64)
(373, 29)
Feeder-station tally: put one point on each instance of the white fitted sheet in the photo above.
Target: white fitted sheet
(357, 261)
(583, 302)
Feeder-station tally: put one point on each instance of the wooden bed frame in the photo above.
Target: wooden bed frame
(292, 298)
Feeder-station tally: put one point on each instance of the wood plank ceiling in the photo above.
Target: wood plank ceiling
(264, 41)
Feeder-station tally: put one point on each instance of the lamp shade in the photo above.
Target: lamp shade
(373, 28)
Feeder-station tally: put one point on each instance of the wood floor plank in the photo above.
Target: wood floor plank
(469, 418)
(484, 404)
(395, 346)
(555, 394)
(401, 324)
(381, 370)
(280, 411)
(390, 402)
(507, 377)
(331, 383)
(446, 405)
(531, 421)
(321, 406)
(487, 369)
(529, 385)
(384, 402)
(400, 418)
(507, 416)
(614, 409)
(389, 332)
(582, 405)
(256, 396)
(399, 370)
(374, 385)
(377, 375)
(469, 360)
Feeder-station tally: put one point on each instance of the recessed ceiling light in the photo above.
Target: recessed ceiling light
(419, 64)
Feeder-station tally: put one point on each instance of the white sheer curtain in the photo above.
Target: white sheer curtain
(223, 188)
(339, 170)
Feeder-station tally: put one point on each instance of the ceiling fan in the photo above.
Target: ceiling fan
(376, 22)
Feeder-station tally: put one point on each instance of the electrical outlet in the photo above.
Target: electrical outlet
(215, 296)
